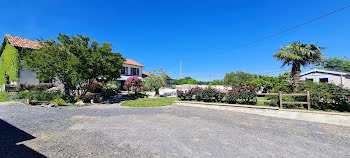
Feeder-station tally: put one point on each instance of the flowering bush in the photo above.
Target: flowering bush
(180, 94)
(232, 96)
(134, 84)
(246, 93)
(341, 98)
(95, 87)
(198, 93)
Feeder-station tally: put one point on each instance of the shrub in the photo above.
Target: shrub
(134, 84)
(36, 87)
(232, 96)
(41, 96)
(95, 87)
(341, 98)
(59, 101)
(109, 90)
(198, 93)
(247, 93)
(219, 95)
(320, 94)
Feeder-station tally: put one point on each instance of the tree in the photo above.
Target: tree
(238, 79)
(216, 82)
(336, 64)
(156, 81)
(74, 60)
(192, 81)
(299, 54)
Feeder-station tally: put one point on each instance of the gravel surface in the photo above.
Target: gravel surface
(170, 131)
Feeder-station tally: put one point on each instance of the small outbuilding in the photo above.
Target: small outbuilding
(325, 76)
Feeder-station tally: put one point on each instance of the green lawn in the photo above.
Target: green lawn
(149, 102)
(4, 96)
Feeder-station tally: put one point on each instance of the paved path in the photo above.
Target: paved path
(171, 131)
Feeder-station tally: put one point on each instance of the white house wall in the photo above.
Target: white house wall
(132, 66)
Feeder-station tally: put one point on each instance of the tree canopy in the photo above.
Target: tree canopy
(237, 79)
(74, 60)
(156, 81)
(336, 64)
(299, 54)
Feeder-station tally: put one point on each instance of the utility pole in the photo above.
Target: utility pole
(180, 69)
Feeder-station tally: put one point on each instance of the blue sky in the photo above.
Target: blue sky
(160, 33)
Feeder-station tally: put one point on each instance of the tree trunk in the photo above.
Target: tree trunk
(296, 76)
(157, 93)
(66, 90)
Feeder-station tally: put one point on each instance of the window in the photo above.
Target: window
(310, 79)
(135, 71)
(124, 71)
(323, 80)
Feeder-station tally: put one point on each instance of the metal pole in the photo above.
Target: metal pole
(180, 69)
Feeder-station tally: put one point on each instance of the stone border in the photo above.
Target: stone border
(303, 115)
(233, 105)
(265, 107)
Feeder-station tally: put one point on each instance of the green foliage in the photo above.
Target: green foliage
(186, 80)
(155, 82)
(341, 98)
(238, 79)
(245, 94)
(110, 89)
(216, 82)
(4, 96)
(336, 64)
(39, 95)
(74, 60)
(320, 94)
(192, 81)
(9, 65)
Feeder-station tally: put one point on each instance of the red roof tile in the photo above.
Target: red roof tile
(132, 62)
(23, 42)
(146, 73)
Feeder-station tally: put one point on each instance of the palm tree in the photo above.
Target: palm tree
(299, 54)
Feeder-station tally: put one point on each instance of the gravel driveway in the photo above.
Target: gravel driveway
(171, 131)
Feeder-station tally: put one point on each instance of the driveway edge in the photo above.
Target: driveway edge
(320, 117)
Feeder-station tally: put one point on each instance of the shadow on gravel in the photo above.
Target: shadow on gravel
(9, 137)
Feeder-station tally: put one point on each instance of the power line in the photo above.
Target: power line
(278, 33)
(283, 31)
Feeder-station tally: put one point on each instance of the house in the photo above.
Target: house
(11, 74)
(325, 76)
(130, 68)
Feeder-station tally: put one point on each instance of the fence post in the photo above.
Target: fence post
(308, 100)
(280, 98)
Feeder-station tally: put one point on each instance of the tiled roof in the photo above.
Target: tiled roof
(146, 73)
(132, 62)
(23, 42)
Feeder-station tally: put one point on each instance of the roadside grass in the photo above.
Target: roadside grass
(4, 96)
(149, 102)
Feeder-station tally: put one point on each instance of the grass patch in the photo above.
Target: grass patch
(149, 102)
(4, 96)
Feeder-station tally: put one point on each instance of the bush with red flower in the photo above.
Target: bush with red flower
(341, 98)
(134, 84)
(247, 93)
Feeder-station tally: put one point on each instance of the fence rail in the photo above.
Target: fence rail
(281, 102)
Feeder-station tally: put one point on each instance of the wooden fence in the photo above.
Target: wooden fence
(281, 102)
